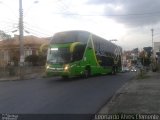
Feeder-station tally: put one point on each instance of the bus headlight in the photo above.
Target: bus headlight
(66, 67)
(47, 67)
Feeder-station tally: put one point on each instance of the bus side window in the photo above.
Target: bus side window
(78, 52)
(107, 61)
(99, 59)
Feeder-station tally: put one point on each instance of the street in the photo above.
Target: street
(58, 96)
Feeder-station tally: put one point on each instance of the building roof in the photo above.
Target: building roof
(28, 40)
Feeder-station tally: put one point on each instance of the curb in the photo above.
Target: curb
(105, 107)
(8, 79)
(27, 77)
(123, 90)
(113, 98)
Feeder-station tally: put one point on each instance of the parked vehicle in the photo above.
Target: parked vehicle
(125, 69)
(133, 69)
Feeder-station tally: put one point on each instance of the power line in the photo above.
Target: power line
(28, 10)
(11, 9)
(8, 28)
(113, 15)
(35, 28)
(35, 31)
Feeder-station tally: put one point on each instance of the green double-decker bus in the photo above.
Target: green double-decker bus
(81, 53)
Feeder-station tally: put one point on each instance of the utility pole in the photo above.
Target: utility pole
(154, 62)
(152, 30)
(21, 39)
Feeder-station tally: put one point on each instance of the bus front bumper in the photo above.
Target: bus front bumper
(57, 72)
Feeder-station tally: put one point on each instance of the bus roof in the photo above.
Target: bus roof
(79, 36)
(70, 36)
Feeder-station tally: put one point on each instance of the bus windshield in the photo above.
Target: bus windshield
(59, 55)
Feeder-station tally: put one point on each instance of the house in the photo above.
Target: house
(10, 48)
(157, 51)
(156, 47)
(130, 58)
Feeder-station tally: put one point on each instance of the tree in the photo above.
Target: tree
(42, 53)
(40, 58)
(36, 60)
(43, 49)
(145, 59)
(148, 50)
(4, 35)
(32, 59)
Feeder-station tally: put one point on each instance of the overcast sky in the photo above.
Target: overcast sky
(128, 21)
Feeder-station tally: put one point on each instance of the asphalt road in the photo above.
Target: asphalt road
(58, 96)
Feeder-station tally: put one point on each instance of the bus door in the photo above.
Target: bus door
(77, 55)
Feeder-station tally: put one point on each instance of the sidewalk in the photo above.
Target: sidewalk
(137, 96)
(26, 77)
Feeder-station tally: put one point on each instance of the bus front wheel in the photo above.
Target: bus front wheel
(87, 73)
(65, 77)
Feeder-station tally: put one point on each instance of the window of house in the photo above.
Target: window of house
(28, 52)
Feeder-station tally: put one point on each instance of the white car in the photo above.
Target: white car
(125, 69)
(133, 70)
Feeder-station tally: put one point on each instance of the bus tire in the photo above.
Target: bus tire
(65, 77)
(113, 71)
(87, 72)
